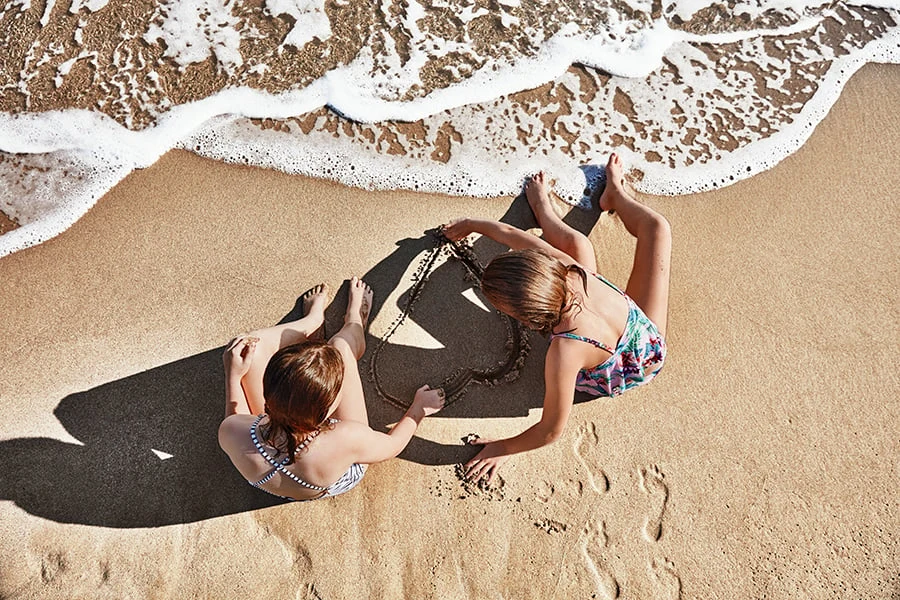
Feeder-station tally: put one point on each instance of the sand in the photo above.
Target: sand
(763, 462)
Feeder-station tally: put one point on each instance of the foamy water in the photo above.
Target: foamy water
(455, 96)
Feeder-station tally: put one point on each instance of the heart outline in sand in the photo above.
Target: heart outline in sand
(457, 383)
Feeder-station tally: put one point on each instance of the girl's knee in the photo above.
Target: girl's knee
(658, 226)
(265, 349)
(582, 251)
(664, 231)
(350, 345)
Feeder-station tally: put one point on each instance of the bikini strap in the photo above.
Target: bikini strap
(608, 282)
(581, 338)
(278, 466)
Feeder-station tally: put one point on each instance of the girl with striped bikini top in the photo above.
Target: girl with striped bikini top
(296, 424)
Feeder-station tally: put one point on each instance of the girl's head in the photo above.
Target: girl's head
(530, 286)
(300, 385)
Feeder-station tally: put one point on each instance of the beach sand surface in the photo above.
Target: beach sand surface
(763, 461)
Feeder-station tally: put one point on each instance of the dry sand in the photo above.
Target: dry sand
(763, 462)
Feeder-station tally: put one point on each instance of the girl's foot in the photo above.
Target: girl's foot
(359, 303)
(615, 184)
(538, 194)
(314, 301)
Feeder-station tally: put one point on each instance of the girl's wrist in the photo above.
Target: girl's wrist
(416, 413)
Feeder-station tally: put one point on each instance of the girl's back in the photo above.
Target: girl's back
(603, 316)
(318, 465)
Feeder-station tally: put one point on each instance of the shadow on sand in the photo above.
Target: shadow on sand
(116, 478)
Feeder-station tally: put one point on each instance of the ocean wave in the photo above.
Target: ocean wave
(460, 97)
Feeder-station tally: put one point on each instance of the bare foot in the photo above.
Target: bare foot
(360, 302)
(538, 194)
(314, 301)
(615, 184)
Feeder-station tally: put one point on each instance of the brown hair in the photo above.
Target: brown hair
(300, 384)
(530, 286)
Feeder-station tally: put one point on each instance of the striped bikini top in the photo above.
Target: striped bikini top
(281, 466)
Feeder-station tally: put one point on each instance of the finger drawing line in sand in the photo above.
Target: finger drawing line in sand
(653, 483)
(587, 449)
(456, 384)
(667, 580)
(593, 541)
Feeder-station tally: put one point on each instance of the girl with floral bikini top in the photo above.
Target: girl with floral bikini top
(603, 341)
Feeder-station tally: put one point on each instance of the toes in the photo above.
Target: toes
(359, 284)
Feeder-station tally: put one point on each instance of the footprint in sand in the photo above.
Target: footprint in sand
(309, 592)
(653, 483)
(592, 543)
(587, 450)
(667, 581)
(52, 566)
(545, 491)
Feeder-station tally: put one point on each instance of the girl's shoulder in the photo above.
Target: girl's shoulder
(345, 434)
(232, 422)
(566, 354)
(234, 431)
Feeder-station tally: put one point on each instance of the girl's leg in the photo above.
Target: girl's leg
(272, 339)
(351, 342)
(556, 232)
(648, 284)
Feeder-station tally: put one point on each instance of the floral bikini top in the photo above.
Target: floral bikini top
(636, 359)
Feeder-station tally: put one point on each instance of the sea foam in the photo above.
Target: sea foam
(420, 95)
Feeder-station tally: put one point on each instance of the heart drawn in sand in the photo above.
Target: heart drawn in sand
(459, 379)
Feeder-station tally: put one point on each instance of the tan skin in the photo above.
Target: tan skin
(599, 314)
(331, 452)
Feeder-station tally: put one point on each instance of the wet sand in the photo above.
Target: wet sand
(761, 462)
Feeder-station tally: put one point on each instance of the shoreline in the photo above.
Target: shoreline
(764, 451)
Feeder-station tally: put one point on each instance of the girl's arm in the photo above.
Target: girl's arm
(505, 234)
(236, 359)
(560, 370)
(369, 446)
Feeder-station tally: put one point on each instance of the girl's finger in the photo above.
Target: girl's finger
(479, 473)
(491, 473)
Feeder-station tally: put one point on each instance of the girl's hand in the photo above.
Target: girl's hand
(487, 462)
(428, 400)
(238, 356)
(457, 229)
